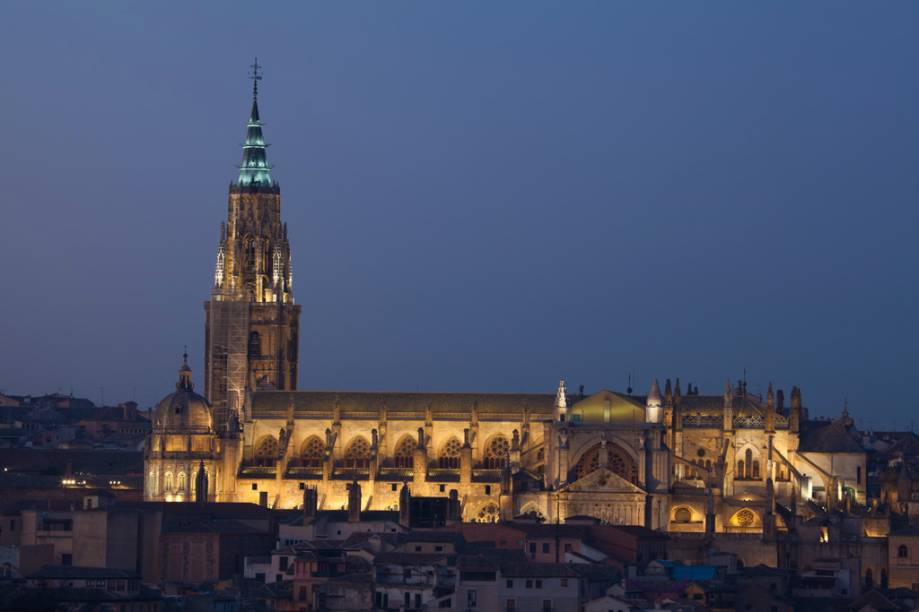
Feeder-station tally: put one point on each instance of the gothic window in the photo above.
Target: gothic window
(589, 462)
(740, 469)
(404, 451)
(255, 345)
(311, 452)
(488, 514)
(357, 455)
(755, 469)
(450, 454)
(250, 255)
(749, 464)
(496, 452)
(744, 518)
(682, 515)
(619, 463)
(266, 451)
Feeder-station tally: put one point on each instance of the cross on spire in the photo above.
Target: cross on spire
(255, 75)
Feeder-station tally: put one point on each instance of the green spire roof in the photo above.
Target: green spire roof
(254, 170)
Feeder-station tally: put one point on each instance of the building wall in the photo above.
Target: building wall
(532, 593)
(903, 561)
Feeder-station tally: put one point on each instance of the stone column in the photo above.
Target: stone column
(466, 460)
(420, 462)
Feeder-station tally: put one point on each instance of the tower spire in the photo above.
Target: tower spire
(254, 170)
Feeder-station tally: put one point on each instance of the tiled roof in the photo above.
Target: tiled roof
(418, 535)
(88, 461)
(403, 558)
(517, 569)
(828, 437)
(225, 527)
(79, 573)
(400, 405)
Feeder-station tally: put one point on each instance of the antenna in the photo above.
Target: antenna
(628, 389)
(255, 75)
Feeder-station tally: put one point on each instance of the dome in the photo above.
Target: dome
(183, 411)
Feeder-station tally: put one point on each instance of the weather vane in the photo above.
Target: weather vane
(255, 75)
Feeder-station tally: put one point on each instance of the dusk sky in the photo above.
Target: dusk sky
(480, 196)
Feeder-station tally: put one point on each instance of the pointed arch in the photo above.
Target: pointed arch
(449, 456)
(532, 510)
(745, 518)
(405, 451)
(312, 452)
(496, 452)
(748, 465)
(488, 513)
(266, 450)
(357, 453)
(619, 462)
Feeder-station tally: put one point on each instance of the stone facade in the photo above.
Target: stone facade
(681, 462)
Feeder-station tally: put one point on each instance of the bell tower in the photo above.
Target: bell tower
(251, 322)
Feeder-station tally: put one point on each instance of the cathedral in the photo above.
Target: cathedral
(671, 459)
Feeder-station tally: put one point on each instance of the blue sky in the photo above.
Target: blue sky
(480, 196)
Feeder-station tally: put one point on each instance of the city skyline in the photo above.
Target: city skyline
(448, 237)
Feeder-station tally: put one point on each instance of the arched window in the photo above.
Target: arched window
(496, 452)
(749, 464)
(619, 463)
(311, 452)
(682, 515)
(357, 456)
(744, 518)
(740, 468)
(404, 451)
(255, 345)
(588, 462)
(266, 451)
(488, 514)
(450, 454)
(755, 469)
(902, 552)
